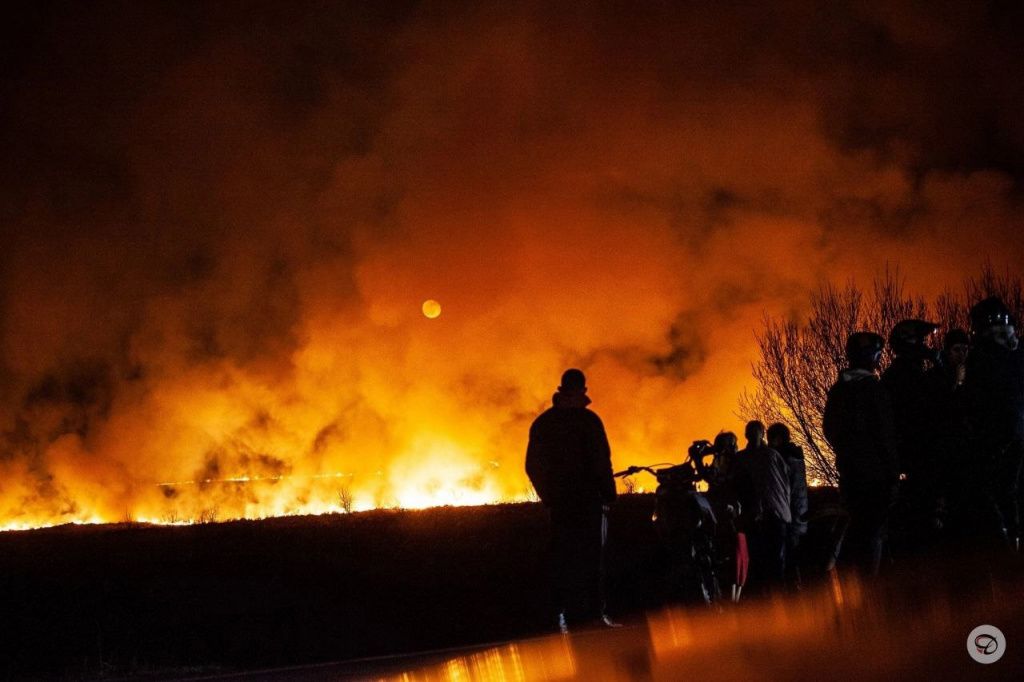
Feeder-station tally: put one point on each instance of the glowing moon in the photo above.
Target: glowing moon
(431, 308)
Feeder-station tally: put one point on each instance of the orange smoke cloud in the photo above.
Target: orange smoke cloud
(224, 229)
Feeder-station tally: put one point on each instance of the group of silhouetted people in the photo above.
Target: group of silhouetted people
(934, 444)
(770, 484)
(932, 447)
(764, 486)
(568, 460)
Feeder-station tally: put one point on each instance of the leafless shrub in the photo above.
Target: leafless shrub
(345, 498)
(952, 307)
(800, 362)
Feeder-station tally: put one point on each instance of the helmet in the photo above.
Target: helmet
(862, 347)
(909, 338)
(990, 312)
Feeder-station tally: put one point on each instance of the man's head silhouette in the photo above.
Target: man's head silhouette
(573, 380)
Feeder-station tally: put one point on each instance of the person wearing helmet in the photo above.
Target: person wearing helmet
(911, 405)
(568, 461)
(994, 396)
(858, 424)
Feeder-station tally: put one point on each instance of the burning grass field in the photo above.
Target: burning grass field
(126, 599)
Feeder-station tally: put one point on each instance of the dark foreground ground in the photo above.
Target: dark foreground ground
(111, 601)
(844, 630)
(84, 601)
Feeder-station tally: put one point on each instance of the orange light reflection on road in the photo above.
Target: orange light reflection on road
(549, 658)
(860, 631)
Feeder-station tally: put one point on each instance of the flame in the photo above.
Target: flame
(436, 472)
(341, 433)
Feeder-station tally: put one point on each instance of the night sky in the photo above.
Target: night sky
(220, 221)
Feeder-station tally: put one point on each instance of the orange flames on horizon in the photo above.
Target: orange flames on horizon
(226, 466)
(398, 425)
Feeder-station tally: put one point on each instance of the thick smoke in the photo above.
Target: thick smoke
(219, 223)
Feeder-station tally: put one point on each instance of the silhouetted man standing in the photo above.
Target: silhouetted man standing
(947, 436)
(906, 381)
(858, 424)
(779, 440)
(994, 394)
(568, 461)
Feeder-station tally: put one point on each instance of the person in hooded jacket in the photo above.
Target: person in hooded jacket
(858, 424)
(994, 396)
(907, 383)
(793, 455)
(568, 461)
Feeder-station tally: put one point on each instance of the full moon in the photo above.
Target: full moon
(431, 308)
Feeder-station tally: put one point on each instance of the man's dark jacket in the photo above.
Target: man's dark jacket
(906, 381)
(945, 404)
(568, 458)
(793, 455)
(858, 424)
(994, 393)
(762, 483)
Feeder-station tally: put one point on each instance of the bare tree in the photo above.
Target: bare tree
(952, 307)
(951, 311)
(800, 362)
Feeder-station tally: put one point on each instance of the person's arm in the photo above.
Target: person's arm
(537, 467)
(798, 475)
(832, 425)
(601, 461)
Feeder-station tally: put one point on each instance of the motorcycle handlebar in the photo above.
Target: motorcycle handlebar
(662, 474)
(629, 471)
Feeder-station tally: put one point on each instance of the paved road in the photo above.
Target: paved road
(903, 630)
